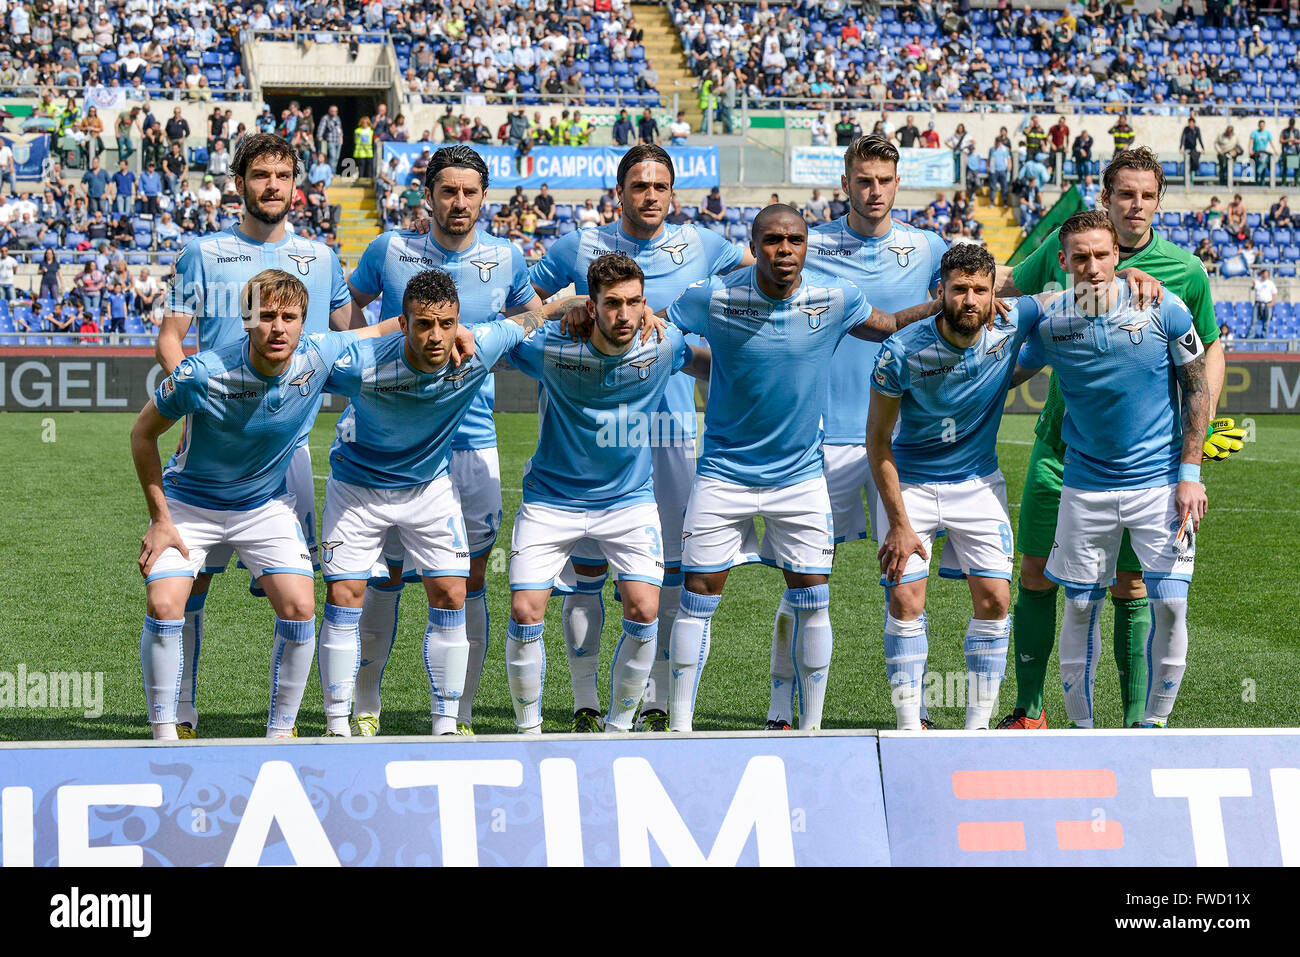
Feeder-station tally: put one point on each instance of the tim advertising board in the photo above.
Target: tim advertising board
(720, 800)
(1162, 798)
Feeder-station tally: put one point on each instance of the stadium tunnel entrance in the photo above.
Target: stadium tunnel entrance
(352, 106)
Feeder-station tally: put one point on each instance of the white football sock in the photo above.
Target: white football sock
(629, 671)
(906, 648)
(337, 658)
(478, 634)
(689, 651)
(295, 645)
(1080, 649)
(446, 652)
(781, 703)
(378, 630)
(1166, 647)
(191, 649)
(526, 674)
(583, 619)
(656, 688)
(160, 667)
(812, 650)
(986, 662)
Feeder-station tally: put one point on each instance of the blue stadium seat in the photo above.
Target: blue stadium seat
(1170, 219)
(1180, 236)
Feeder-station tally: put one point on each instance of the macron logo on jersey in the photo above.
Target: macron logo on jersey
(239, 258)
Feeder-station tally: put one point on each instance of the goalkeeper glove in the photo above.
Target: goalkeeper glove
(1223, 438)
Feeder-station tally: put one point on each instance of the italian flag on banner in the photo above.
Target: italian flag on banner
(1071, 202)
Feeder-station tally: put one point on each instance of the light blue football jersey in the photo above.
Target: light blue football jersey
(212, 271)
(490, 276)
(598, 419)
(952, 399)
(398, 429)
(771, 365)
(897, 270)
(671, 261)
(241, 428)
(1122, 424)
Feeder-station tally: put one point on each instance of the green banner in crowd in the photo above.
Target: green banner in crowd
(1071, 202)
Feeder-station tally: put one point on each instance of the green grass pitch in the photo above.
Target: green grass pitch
(72, 600)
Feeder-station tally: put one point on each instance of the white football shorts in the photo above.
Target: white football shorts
(301, 487)
(1089, 527)
(426, 519)
(268, 539)
(850, 484)
(720, 531)
(543, 538)
(974, 514)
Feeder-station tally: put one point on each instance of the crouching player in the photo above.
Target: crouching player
(1134, 460)
(591, 479)
(245, 406)
(947, 381)
(389, 469)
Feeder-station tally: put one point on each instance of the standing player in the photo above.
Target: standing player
(947, 382)
(1133, 465)
(492, 278)
(772, 336)
(895, 266)
(1132, 186)
(210, 276)
(671, 257)
(245, 407)
(390, 471)
(590, 480)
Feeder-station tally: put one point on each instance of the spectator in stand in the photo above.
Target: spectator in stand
(178, 128)
(363, 147)
(1261, 151)
(1264, 293)
(679, 130)
(817, 210)
(544, 203)
(1279, 214)
(150, 189)
(49, 271)
(678, 215)
(123, 232)
(1206, 254)
(1191, 144)
(123, 189)
(219, 163)
(92, 129)
(1081, 152)
(95, 182)
(646, 127)
(1030, 210)
(1248, 252)
(820, 130)
(90, 286)
(1227, 148)
(908, 134)
(88, 328)
(713, 210)
(98, 230)
(8, 267)
(930, 138)
(1089, 190)
(115, 311)
(838, 206)
(1058, 138)
(999, 174)
(8, 167)
(148, 295)
(60, 321)
(167, 232)
(587, 215)
(1212, 216)
(174, 168)
(479, 133)
(847, 129)
(1234, 219)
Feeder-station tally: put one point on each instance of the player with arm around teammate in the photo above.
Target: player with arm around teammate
(210, 275)
(1137, 404)
(492, 279)
(671, 257)
(1133, 185)
(245, 406)
(895, 266)
(944, 384)
(772, 334)
(390, 472)
(590, 481)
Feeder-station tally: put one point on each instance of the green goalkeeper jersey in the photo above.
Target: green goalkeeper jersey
(1181, 272)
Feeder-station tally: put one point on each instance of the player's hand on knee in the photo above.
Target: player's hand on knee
(576, 323)
(464, 348)
(160, 537)
(651, 323)
(1146, 289)
(1192, 502)
(899, 545)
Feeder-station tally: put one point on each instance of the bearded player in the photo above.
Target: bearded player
(1132, 186)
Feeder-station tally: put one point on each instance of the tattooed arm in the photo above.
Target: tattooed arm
(1189, 497)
